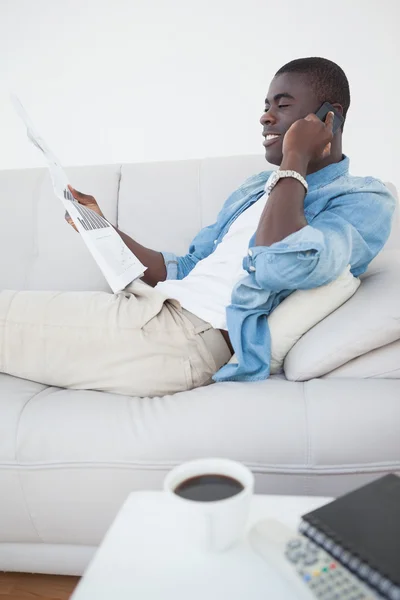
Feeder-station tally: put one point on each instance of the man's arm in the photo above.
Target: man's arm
(160, 265)
(352, 230)
(154, 261)
(284, 212)
(167, 265)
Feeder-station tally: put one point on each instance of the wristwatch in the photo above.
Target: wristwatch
(277, 175)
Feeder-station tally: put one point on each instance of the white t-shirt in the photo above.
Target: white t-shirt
(206, 291)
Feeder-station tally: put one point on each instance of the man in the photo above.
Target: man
(179, 331)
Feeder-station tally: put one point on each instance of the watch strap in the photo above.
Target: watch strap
(288, 173)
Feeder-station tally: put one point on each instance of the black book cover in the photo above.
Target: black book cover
(366, 523)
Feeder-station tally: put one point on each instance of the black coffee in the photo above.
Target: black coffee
(208, 488)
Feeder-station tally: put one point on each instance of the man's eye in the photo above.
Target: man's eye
(266, 109)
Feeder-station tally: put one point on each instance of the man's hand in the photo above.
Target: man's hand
(309, 138)
(85, 200)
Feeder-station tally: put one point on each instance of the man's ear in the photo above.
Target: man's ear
(338, 107)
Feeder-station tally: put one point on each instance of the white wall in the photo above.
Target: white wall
(142, 80)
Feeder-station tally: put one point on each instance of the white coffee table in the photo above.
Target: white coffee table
(144, 557)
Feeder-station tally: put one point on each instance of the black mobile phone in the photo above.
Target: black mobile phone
(323, 111)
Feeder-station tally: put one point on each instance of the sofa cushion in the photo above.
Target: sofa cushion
(381, 363)
(369, 320)
(302, 310)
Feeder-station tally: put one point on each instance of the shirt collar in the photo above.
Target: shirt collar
(329, 173)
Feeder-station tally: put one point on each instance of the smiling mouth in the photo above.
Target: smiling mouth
(270, 139)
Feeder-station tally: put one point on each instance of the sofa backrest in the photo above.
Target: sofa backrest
(161, 205)
(38, 248)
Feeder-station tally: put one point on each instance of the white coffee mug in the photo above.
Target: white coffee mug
(213, 525)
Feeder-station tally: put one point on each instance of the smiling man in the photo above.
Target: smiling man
(294, 228)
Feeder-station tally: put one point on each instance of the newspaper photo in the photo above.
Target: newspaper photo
(118, 264)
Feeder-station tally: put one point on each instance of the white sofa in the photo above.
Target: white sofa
(68, 458)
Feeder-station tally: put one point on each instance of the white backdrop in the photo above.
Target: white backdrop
(143, 80)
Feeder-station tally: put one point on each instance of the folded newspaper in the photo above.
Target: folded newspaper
(118, 264)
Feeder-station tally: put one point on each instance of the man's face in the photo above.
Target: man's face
(289, 98)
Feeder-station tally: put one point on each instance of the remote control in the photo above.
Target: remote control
(310, 570)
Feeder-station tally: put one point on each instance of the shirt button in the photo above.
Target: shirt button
(250, 253)
(252, 268)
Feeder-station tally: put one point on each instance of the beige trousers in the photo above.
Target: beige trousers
(135, 342)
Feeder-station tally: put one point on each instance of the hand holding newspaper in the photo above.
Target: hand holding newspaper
(118, 264)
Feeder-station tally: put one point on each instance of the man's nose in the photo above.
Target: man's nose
(268, 117)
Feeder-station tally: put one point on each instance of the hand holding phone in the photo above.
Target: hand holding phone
(338, 118)
(309, 138)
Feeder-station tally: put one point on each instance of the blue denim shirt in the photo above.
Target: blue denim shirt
(349, 220)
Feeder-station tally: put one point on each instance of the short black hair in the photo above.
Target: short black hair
(327, 79)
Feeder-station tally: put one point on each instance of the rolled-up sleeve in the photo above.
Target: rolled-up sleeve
(308, 258)
(180, 266)
(171, 264)
(352, 230)
(203, 244)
